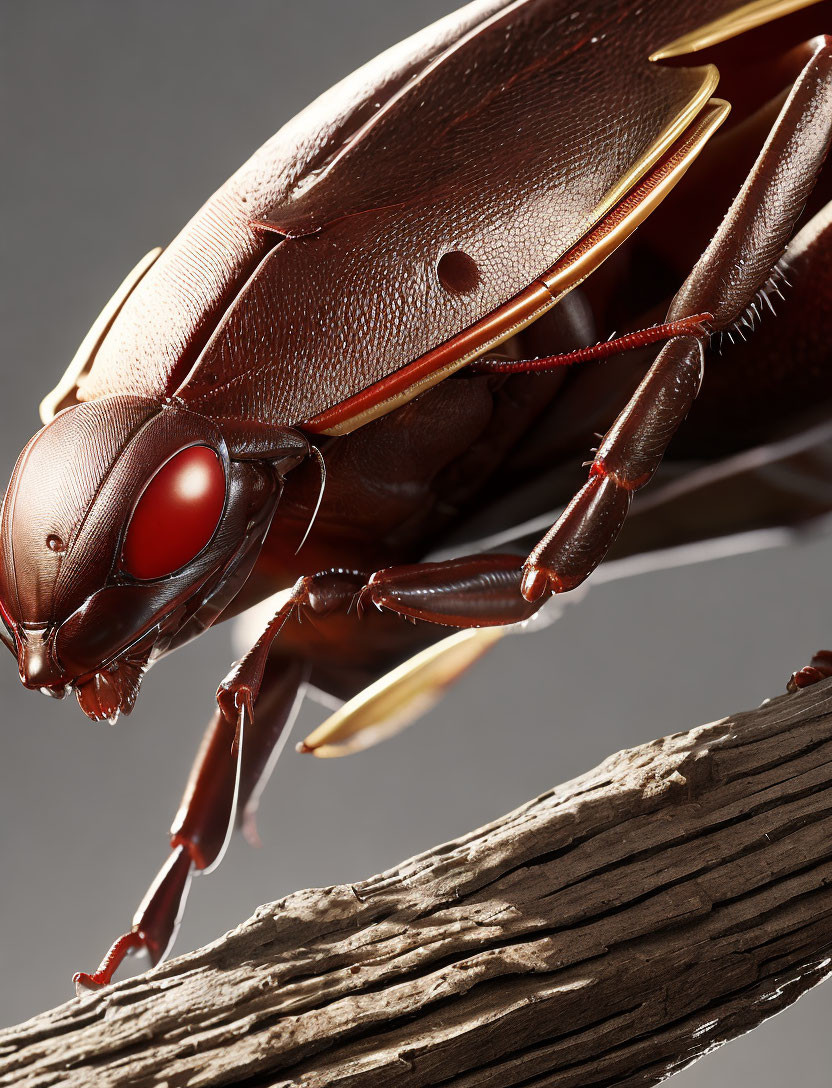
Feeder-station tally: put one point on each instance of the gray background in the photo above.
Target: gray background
(118, 119)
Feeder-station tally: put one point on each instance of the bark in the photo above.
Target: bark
(607, 933)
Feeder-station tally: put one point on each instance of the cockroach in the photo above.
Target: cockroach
(366, 373)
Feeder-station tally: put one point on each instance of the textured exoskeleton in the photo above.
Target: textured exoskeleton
(366, 373)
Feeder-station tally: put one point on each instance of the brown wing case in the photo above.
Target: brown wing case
(505, 131)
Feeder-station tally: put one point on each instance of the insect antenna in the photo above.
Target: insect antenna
(696, 325)
(322, 466)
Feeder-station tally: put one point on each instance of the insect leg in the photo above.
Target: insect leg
(479, 593)
(627, 458)
(735, 266)
(224, 782)
(321, 594)
(473, 591)
(820, 668)
(753, 235)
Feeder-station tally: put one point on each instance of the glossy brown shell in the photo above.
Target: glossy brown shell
(312, 273)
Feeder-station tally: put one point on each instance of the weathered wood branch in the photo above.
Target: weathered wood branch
(607, 933)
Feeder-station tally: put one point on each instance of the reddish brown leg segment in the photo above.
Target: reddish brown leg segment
(320, 593)
(154, 923)
(474, 591)
(754, 233)
(280, 697)
(734, 267)
(626, 460)
(224, 782)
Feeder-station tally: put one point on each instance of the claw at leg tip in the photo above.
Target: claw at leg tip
(85, 984)
(121, 947)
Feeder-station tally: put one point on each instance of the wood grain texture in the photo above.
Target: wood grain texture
(606, 933)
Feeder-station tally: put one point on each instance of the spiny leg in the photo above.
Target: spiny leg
(735, 266)
(234, 759)
(626, 460)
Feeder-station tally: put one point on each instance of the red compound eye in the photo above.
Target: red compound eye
(176, 515)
